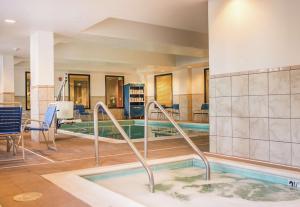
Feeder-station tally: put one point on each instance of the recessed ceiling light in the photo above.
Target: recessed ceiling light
(10, 21)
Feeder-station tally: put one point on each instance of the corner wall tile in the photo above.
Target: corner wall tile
(213, 144)
(280, 130)
(295, 127)
(296, 155)
(281, 152)
(223, 86)
(240, 85)
(295, 81)
(295, 106)
(212, 107)
(279, 82)
(212, 125)
(212, 88)
(279, 106)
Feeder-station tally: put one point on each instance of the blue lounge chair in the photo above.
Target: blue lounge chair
(11, 126)
(203, 111)
(175, 111)
(80, 110)
(43, 126)
(102, 112)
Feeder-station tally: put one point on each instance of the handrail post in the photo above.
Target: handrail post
(179, 129)
(96, 134)
(125, 136)
(146, 131)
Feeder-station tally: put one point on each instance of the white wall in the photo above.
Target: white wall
(185, 81)
(253, 34)
(97, 81)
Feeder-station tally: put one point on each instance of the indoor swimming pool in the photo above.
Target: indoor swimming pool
(133, 128)
(180, 182)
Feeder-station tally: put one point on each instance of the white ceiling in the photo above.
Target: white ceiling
(73, 17)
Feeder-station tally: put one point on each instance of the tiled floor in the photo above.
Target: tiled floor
(73, 153)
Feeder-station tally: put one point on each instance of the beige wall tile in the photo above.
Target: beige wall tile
(240, 85)
(240, 127)
(281, 152)
(279, 106)
(241, 147)
(259, 150)
(279, 82)
(258, 106)
(212, 125)
(213, 144)
(224, 126)
(296, 155)
(295, 81)
(295, 106)
(223, 86)
(212, 88)
(212, 107)
(258, 84)
(240, 106)
(295, 128)
(223, 106)
(224, 145)
(280, 130)
(259, 128)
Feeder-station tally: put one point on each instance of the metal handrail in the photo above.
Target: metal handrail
(179, 129)
(125, 136)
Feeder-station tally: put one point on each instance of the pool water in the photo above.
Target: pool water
(135, 129)
(183, 184)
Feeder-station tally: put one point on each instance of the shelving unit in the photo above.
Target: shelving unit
(134, 100)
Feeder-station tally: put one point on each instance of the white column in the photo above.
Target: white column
(42, 76)
(7, 87)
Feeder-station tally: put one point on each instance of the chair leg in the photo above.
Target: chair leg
(7, 144)
(53, 142)
(45, 139)
(23, 149)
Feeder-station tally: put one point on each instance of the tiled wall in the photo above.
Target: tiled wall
(256, 115)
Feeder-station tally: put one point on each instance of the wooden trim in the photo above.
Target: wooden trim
(89, 80)
(111, 76)
(205, 71)
(167, 74)
(26, 106)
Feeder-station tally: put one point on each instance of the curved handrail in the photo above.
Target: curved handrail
(179, 129)
(125, 136)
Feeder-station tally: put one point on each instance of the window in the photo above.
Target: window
(114, 91)
(164, 89)
(79, 89)
(206, 85)
(27, 90)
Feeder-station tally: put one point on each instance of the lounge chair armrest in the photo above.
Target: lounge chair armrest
(35, 120)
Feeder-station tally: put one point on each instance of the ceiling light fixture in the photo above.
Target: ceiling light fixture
(10, 21)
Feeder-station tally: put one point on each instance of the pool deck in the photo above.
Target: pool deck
(73, 154)
(77, 153)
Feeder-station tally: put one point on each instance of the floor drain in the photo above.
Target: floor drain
(30, 196)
